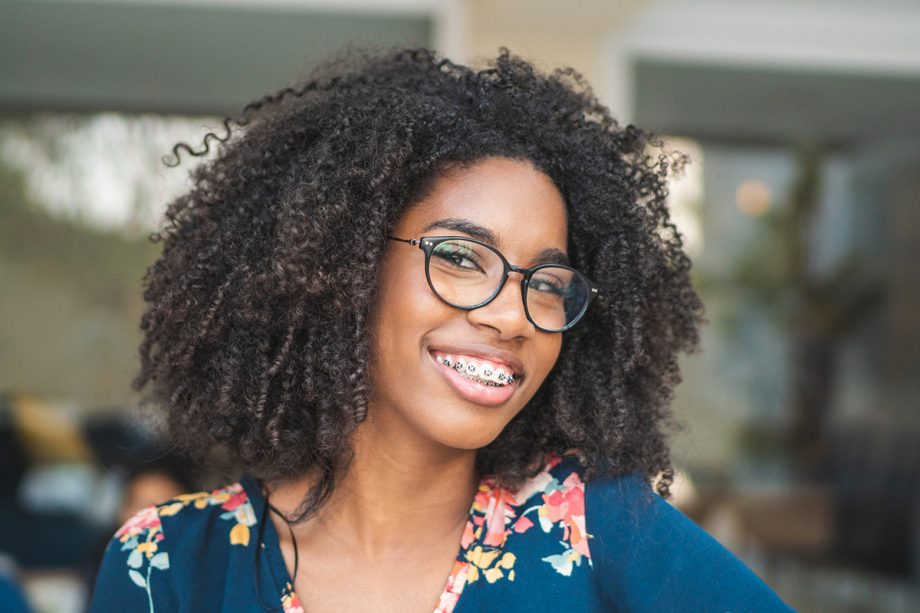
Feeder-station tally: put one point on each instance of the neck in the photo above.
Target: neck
(395, 482)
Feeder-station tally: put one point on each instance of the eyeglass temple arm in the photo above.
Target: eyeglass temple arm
(411, 241)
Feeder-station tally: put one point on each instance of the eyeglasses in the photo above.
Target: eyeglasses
(468, 274)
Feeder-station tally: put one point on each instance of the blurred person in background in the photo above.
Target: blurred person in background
(49, 485)
(149, 483)
(334, 313)
(152, 483)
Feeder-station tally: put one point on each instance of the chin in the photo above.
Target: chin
(464, 430)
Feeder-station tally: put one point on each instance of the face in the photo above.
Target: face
(413, 392)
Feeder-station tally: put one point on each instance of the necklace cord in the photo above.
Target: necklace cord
(290, 531)
(260, 544)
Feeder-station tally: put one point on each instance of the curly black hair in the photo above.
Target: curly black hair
(256, 327)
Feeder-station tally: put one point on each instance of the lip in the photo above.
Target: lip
(474, 392)
(488, 352)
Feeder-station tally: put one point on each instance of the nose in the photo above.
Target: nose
(505, 312)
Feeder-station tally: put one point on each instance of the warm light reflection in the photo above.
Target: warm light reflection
(753, 197)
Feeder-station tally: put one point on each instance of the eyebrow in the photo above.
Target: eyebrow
(547, 255)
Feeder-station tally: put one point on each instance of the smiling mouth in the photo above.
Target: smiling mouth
(474, 378)
(480, 370)
(469, 388)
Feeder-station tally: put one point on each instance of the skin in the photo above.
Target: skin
(414, 468)
(147, 489)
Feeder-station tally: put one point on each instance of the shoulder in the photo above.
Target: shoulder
(563, 481)
(226, 512)
(145, 554)
(650, 555)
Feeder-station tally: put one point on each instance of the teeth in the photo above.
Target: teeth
(481, 372)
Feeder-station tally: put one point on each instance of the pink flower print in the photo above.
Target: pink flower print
(522, 524)
(568, 506)
(562, 504)
(468, 535)
(538, 483)
(580, 536)
(492, 511)
(498, 513)
(289, 601)
(552, 459)
(146, 519)
(456, 581)
(237, 498)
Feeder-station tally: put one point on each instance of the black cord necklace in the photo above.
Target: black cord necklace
(261, 543)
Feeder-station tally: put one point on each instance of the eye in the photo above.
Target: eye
(552, 281)
(542, 285)
(457, 255)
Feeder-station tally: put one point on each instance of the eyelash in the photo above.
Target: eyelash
(451, 256)
(557, 289)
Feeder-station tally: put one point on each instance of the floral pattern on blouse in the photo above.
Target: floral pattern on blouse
(141, 534)
(494, 516)
(289, 600)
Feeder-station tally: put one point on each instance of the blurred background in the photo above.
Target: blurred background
(800, 209)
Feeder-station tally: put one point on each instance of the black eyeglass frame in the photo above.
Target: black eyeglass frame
(428, 243)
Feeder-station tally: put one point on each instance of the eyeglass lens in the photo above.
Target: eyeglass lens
(465, 274)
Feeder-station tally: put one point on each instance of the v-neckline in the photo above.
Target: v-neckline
(483, 505)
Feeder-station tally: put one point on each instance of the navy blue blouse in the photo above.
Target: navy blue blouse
(556, 544)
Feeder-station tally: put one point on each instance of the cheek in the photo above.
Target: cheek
(404, 312)
(405, 298)
(551, 350)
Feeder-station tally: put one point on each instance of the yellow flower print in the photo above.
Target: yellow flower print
(148, 548)
(231, 499)
(489, 564)
(239, 535)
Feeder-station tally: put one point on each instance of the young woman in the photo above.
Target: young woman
(432, 315)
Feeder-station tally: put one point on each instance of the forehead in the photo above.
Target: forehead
(519, 204)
